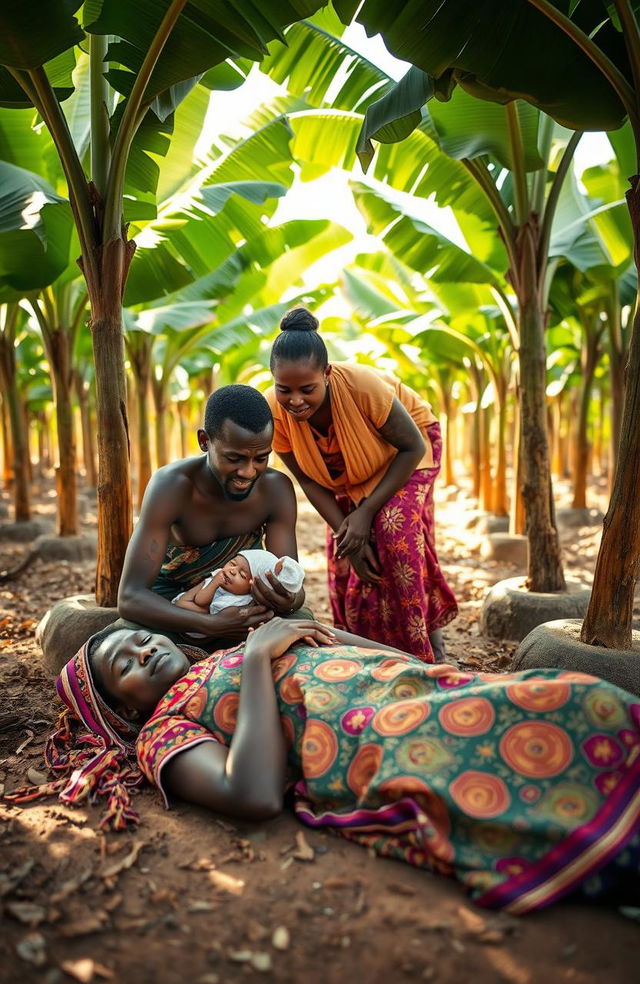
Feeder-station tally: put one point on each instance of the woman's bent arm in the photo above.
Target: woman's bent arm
(246, 779)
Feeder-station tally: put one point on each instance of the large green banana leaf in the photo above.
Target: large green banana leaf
(499, 50)
(35, 232)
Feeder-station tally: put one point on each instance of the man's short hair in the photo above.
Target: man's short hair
(243, 405)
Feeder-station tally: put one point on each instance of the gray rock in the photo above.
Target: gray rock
(506, 548)
(494, 524)
(67, 625)
(24, 531)
(557, 644)
(574, 518)
(67, 547)
(510, 612)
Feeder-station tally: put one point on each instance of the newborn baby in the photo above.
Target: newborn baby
(229, 585)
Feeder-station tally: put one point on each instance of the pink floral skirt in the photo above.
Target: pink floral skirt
(413, 597)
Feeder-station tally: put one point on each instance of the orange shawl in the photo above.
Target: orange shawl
(361, 400)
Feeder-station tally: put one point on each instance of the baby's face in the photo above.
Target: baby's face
(236, 575)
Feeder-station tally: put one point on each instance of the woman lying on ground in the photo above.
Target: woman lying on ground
(525, 786)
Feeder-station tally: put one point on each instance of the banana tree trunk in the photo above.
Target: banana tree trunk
(88, 443)
(500, 500)
(114, 486)
(516, 512)
(19, 443)
(7, 450)
(617, 380)
(447, 435)
(608, 621)
(545, 561)
(59, 355)
(161, 405)
(486, 485)
(581, 446)
(141, 365)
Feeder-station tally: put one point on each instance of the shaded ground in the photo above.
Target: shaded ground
(188, 897)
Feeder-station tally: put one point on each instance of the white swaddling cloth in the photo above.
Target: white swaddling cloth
(290, 576)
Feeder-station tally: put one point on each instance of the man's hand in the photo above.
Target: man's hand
(271, 594)
(275, 637)
(235, 621)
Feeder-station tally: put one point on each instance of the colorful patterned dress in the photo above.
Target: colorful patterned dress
(413, 597)
(524, 786)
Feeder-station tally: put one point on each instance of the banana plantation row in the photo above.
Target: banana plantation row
(521, 320)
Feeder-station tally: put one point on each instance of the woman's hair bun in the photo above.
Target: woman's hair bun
(299, 319)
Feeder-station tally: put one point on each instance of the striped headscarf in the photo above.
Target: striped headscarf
(93, 749)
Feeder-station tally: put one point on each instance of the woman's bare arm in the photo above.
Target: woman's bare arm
(246, 779)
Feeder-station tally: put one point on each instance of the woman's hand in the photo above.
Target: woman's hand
(353, 535)
(366, 565)
(274, 638)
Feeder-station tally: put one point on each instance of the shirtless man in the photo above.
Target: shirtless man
(199, 512)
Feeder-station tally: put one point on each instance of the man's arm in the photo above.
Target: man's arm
(143, 560)
(280, 539)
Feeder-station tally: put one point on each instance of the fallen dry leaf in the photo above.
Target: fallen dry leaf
(304, 851)
(71, 886)
(85, 969)
(109, 872)
(32, 950)
(21, 747)
(10, 880)
(227, 883)
(399, 889)
(280, 939)
(26, 912)
(201, 864)
(36, 777)
(83, 927)
(201, 906)
(471, 921)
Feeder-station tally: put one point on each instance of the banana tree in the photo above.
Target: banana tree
(151, 59)
(589, 78)
(12, 319)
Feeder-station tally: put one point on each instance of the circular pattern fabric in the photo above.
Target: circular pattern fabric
(225, 713)
(400, 717)
(363, 768)
(537, 749)
(387, 669)
(539, 695)
(290, 690)
(282, 665)
(319, 748)
(467, 716)
(480, 794)
(335, 670)
(423, 755)
(355, 720)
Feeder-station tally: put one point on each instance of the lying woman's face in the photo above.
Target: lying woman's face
(136, 668)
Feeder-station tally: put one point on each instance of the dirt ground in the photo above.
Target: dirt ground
(188, 897)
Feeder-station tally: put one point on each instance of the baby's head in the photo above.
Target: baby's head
(237, 575)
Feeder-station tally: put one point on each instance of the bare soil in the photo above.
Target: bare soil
(188, 896)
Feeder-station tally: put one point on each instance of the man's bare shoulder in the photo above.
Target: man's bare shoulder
(275, 483)
(177, 479)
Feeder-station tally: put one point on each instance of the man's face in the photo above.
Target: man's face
(237, 458)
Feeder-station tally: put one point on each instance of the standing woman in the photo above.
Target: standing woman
(366, 451)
